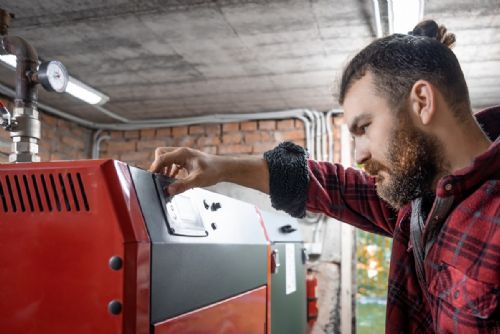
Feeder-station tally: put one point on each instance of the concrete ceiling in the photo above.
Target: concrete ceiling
(167, 59)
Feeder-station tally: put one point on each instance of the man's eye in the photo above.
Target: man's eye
(364, 127)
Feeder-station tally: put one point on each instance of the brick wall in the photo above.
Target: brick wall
(61, 140)
(241, 138)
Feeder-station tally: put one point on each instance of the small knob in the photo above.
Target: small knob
(115, 307)
(115, 263)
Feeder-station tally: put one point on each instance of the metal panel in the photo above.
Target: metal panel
(55, 273)
(245, 313)
(288, 311)
(193, 272)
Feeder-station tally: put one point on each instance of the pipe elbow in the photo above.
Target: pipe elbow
(20, 48)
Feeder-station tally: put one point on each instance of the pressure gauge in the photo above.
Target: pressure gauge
(53, 76)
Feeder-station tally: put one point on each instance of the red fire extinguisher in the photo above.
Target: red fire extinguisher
(312, 299)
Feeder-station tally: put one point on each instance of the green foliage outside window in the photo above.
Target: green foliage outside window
(373, 255)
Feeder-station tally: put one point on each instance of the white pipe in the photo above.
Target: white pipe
(378, 21)
(310, 145)
(96, 143)
(329, 120)
(323, 137)
(305, 115)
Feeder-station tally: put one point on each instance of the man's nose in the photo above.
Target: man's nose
(362, 152)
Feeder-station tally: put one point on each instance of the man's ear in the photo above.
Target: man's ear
(423, 101)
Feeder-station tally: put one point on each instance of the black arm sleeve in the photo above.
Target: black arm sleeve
(288, 178)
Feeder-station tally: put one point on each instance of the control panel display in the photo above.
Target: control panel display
(181, 212)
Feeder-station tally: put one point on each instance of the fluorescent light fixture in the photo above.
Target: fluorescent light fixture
(75, 87)
(404, 15)
(9, 60)
(84, 92)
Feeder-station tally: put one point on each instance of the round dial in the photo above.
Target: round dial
(53, 76)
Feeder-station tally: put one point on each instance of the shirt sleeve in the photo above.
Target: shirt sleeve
(348, 195)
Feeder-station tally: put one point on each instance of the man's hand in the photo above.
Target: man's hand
(193, 168)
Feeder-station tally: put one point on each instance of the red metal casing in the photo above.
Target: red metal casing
(60, 223)
(242, 314)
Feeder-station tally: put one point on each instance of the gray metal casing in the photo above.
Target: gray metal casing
(192, 272)
(288, 311)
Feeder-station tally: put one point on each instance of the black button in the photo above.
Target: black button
(115, 307)
(115, 262)
(214, 226)
(215, 206)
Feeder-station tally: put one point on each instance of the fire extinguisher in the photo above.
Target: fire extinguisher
(312, 299)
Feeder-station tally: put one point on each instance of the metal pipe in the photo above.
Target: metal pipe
(25, 129)
(27, 62)
(329, 119)
(96, 143)
(378, 20)
(304, 115)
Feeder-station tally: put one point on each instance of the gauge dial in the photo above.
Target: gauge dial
(53, 76)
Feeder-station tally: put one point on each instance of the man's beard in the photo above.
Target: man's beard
(414, 162)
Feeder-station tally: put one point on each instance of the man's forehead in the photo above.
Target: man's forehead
(357, 98)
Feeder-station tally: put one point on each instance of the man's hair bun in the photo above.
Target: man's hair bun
(430, 28)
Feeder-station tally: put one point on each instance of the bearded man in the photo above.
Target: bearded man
(431, 181)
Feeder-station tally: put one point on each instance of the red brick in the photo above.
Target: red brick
(263, 147)
(267, 136)
(235, 149)
(248, 126)
(108, 155)
(179, 131)
(289, 135)
(59, 156)
(73, 142)
(267, 125)
(209, 149)
(232, 138)
(116, 134)
(77, 131)
(44, 155)
(137, 156)
(213, 129)
(141, 164)
(287, 124)
(163, 132)
(230, 127)
(196, 130)
(148, 133)
(151, 144)
(48, 120)
(252, 137)
(208, 141)
(131, 134)
(121, 146)
(184, 141)
(299, 124)
(4, 135)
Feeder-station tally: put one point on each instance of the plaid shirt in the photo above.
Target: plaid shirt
(462, 268)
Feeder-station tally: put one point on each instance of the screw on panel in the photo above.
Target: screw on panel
(115, 307)
(115, 263)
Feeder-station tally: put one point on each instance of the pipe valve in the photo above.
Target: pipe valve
(6, 119)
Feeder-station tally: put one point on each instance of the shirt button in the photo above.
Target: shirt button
(457, 294)
(448, 187)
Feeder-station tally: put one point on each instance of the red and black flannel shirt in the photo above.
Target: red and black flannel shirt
(462, 268)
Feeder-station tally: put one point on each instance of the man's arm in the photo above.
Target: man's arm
(204, 170)
(294, 183)
(349, 195)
